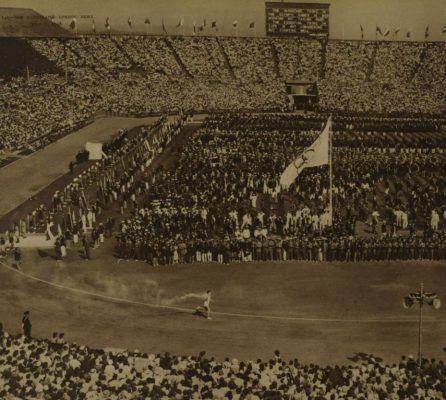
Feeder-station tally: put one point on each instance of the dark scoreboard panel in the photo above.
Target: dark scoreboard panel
(310, 20)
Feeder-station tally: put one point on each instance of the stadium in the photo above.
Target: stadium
(222, 200)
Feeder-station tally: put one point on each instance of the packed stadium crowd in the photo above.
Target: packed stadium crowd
(43, 108)
(221, 200)
(137, 75)
(32, 368)
(371, 77)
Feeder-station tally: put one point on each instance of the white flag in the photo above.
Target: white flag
(73, 24)
(313, 156)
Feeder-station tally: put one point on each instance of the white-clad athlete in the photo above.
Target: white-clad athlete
(207, 304)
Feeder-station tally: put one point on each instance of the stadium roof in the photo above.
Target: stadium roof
(25, 22)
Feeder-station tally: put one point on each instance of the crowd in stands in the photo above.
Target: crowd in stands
(251, 60)
(32, 368)
(202, 57)
(299, 60)
(42, 108)
(376, 77)
(137, 75)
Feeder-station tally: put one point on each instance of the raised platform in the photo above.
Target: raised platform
(35, 241)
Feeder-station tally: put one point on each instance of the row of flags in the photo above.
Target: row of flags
(396, 31)
(252, 25)
(201, 27)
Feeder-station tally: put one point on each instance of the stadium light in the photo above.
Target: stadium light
(421, 297)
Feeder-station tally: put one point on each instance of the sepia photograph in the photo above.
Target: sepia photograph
(222, 199)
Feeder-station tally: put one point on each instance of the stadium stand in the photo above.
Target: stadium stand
(18, 55)
(299, 59)
(219, 198)
(25, 22)
(38, 110)
(139, 75)
(383, 77)
(54, 368)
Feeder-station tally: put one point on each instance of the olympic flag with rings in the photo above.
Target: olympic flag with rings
(315, 155)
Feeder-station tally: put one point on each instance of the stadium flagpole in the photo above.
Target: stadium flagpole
(420, 325)
(66, 61)
(330, 155)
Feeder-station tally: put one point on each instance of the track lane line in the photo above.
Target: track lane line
(220, 313)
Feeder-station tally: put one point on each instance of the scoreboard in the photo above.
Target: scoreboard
(309, 20)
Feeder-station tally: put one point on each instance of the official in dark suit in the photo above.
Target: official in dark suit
(26, 324)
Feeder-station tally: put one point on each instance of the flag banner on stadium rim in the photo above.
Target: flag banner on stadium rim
(314, 156)
(73, 24)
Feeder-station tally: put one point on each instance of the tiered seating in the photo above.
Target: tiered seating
(394, 82)
(151, 54)
(395, 63)
(251, 59)
(348, 62)
(18, 57)
(201, 57)
(52, 368)
(299, 59)
(144, 74)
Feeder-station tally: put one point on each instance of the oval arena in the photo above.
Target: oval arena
(222, 201)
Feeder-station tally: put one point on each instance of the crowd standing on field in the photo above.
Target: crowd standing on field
(223, 201)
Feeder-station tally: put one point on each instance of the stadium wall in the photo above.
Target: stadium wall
(345, 16)
(25, 22)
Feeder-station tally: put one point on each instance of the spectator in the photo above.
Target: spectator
(26, 324)
(28, 366)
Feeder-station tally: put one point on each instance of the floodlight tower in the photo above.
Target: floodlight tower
(421, 297)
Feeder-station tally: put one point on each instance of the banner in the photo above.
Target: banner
(314, 156)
